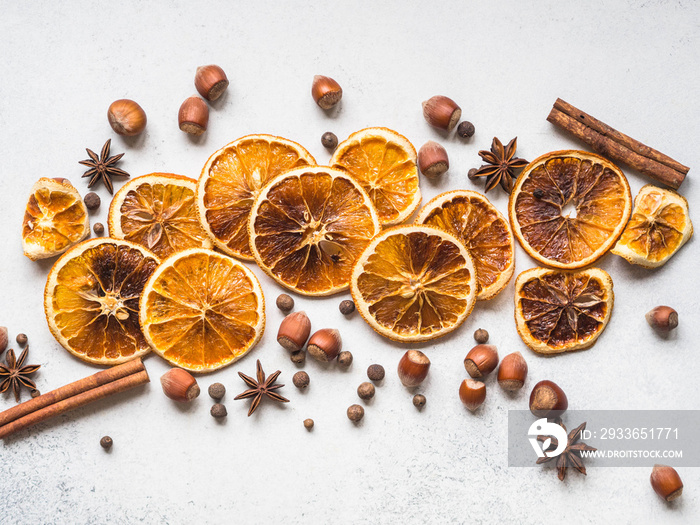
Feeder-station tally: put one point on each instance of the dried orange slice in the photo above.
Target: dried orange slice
(414, 283)
(91, 300)
(233, 177)
(569, 207)
(560, 311)
(309, 226)
(202, 310)
(659, 226)
(476, 222)
(55, 219)
(384, 163)
(158, 211)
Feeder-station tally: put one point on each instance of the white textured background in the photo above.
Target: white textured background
(633, 64)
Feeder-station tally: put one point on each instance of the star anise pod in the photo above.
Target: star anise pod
(501, 165)
(571, 457)
(103, 167)
(260, 388)
(15, 375)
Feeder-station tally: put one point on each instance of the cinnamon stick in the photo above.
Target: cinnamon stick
(609, 142)
(85, 396)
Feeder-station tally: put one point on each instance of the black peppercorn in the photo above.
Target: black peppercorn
(285, 302)
(301, 380)
(99, 228)
(218, 410)
(345, 358)
(419, 401)
(481, 336)
(347, 307)
(92, 201)
(329, 140)
(355, 413)
(465, 129)
(106, 442)
(375, 372)
(21, 339)
(217, 390)
(366, 391)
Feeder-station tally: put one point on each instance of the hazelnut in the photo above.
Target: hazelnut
(441, 112)
(217, 390)
(3, 338)
(472, 393)
(548, 400)
(294, 331)
(375, 372)
(298, 358)
(126, 117)
(346, 307)
(21, 339)
(329, 140)
(345, 358)
(366, 391)
(355, 413)
(92, 201)
(419, 401)
(308, 424)
(413, 368)
(662, 318)
(465, 129)
(193, 116)
(512, 372)
(325, 344)
(218, 410)
(210, 81)
(179, 385)
(666, 482)
(326, 92)
(284, 302)
(301, 380)
(106, 442)
(481, 336)
(481, 360)
(98, 228)
(432, 160)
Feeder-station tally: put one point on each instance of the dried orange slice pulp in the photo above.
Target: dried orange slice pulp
(569, 207)
(414, 283)
(659, 226)
(384, 163)
(55, 219)
(233, 177)
(202, 310)
(561, 311)
(476, 222)
(158, 211)
(91, 300)
(309, 226)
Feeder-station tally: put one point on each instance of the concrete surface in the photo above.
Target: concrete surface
(633, 64)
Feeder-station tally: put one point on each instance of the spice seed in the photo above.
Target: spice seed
(217, 390)
(329, 140)
(356, 413)
(21, 339)
(218, 410)
(465, 129)
(366, 391)
(35, 393)
(308, 424)
(481, 336)
(299, 357)
(347, 307)
(99, 228)
(419, 401)
(301, 380)
(345, 358)
(472, 173)
(106, 442)
(285, 302)
(375, 372)
(92, 201)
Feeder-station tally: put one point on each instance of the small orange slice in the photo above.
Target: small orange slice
(561, 311)
(202, 310)
(91, 300)
(309, 226)
(476, 222)
(569, 207)
(233, 177)
(414, 283)
(55, 219)
(659, 226)
(384, 163)
(158, 211)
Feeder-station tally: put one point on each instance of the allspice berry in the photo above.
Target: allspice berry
(346, 307)
(308, 424)
(21, 339)
(345, 358)
(218, 410)
(356, 413)
(376, 372)
(301, 380)
(92, 201)
(329, 140)
(298, 358)
(465, 129)
(106, 442)
(98, 228)
(471, 174)
(366, 390)
(481, 336)
(419, 401)
(284, 302)
(35, 393)
(217, 390)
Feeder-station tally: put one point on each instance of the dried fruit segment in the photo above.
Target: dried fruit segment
(92, 300)
(414, 283)
(201, 310)
(158, 211)
(231, 180)
(471, 218)
(659, 226)
(384, 163)
(54, 220)
(561, 311)
(569, 207)
(309, 226)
